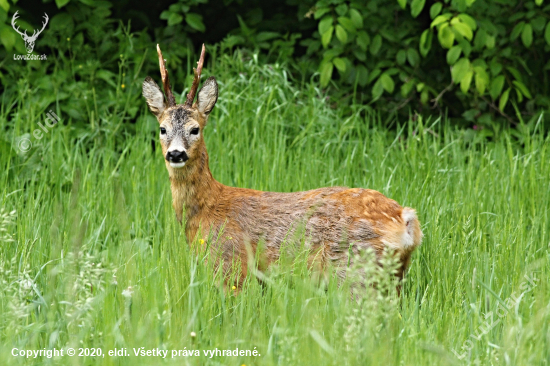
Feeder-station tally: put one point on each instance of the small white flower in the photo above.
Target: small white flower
(128, 292)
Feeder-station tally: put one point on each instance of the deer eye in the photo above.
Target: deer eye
(162, 131)
(195, 131)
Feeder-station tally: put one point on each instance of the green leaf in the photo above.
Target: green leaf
(425, 42)
(4, 5)
(490, 42)
(416, 7)
(266, 36)
(387, 82)
(194, 21)
(360, 54)
(347, 24)
(453, 54)
(59, 3)
(459, 70)
(341, 9)
(377, 89)
(320, 12)
(441, 19)
(326, 73)
(464, 30)
(402, 3)
(107, 76)
(480, 39)
(339, 63)
(538, 23)
(547, 33)
(527, 35)
(327, 36)
(446, 36)
(356, 18)
(496, 86)
(325, 24)
(538, 2)
(424, 96)
(481, 79)
(514, 72)
(504, 99)
(471, 22)
(7, 37)
(401, 57)
(522, 88)
(495, 67)
(341, 34)
(329, 54)
(406, 88)
(435, 10)
(374, 74)
(363, 40)
(362, 75)
(413, 57)
(466, 81)
(174, 18)
(376, 44)
(520, 96)
(517, 31)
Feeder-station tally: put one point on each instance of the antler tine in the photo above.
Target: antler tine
(15, 16)
(165, 80)
(196, 79)
(44, 24)
(34, 33)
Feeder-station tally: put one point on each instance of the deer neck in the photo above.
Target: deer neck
(194, 188)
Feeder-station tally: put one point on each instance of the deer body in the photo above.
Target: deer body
(335, 223)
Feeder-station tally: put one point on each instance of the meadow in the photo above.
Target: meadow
(91, 255)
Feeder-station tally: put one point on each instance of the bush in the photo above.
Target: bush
(480, 62)
(479, 58)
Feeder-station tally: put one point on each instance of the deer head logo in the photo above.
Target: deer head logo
(29, 40)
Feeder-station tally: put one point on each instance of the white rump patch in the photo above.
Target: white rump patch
(408, 215)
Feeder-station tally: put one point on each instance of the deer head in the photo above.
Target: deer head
(29, 40)
(181, 125)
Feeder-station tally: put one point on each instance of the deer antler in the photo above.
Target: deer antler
(15, 16)
(165, 80)
(34, 35)
(196, 79)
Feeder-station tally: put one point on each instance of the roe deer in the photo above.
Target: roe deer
(337, 221)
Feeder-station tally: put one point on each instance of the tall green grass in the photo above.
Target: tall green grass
(93, 256)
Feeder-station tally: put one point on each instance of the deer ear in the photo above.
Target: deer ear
(208, 95)
(154, 97)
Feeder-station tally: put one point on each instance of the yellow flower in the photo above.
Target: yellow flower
(234, 288)
(123, 86)
(201, 241)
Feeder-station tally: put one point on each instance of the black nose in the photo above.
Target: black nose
(176, 156)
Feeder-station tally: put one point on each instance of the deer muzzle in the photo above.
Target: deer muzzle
(177, 158)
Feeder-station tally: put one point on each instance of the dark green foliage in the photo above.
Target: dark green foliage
(481, 62)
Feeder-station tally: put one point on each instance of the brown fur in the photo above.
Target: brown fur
(333, 222)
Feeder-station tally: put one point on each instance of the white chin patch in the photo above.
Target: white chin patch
(177, 165)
